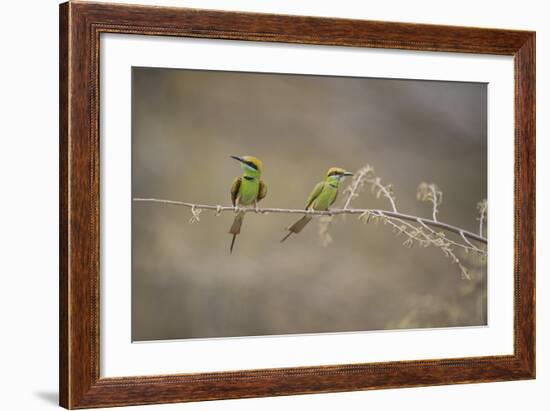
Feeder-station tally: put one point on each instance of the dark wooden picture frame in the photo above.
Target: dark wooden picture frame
(80, 27)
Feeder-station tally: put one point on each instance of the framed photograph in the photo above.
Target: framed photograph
(259, 205)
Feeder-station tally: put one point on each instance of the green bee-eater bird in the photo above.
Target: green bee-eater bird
(321, 198)
(246, 190)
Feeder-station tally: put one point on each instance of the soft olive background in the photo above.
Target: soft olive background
(186, 123)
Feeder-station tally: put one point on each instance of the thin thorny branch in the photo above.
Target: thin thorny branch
(417, 230)
(482, 208)
(432, 194)
(466, 240)
(378, 189)
(423, 234)
(445, 245)
(416, 234)
(357, 183)
(353, 211)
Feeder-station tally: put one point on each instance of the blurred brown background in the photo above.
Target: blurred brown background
(185, 125)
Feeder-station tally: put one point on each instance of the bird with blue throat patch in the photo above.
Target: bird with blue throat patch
(246, 190)
(321, 198)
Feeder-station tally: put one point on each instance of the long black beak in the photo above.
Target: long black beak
(347, 173)
(238, 158)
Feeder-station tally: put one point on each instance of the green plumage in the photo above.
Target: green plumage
(324, 195)
(246, 190)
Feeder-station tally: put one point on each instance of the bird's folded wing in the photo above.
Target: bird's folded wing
(235, 187)
(262, 192)
(314, 194)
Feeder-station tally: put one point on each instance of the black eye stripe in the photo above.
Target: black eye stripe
(332, 173)
(251, 164)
